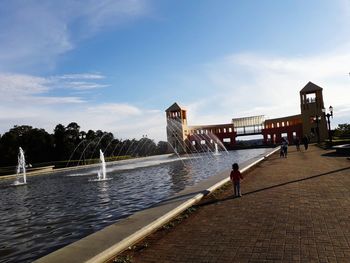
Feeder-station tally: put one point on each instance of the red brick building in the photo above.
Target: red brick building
(310, 122)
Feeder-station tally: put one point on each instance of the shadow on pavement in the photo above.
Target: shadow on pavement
(336, 154)
(273, 186)
(298, 180)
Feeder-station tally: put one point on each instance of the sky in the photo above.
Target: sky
(117, 65)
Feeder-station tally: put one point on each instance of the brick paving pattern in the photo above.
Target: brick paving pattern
(294, 209)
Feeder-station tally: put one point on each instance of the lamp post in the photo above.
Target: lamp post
(328, 115)
(317, 119)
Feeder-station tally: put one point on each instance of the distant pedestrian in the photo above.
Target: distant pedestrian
(306, 142)
(297, 143)
(284, 148)
(236, 177)
(281, 151)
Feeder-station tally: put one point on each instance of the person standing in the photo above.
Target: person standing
(297, 143)
(236, 177)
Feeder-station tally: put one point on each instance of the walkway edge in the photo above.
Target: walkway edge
(150, 228)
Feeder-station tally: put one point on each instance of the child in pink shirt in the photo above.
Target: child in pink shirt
(236, 177)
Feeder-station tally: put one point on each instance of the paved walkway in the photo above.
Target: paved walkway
(292, 210)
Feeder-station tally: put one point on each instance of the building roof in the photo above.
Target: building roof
(198, 127)
(297, 116)
(248, 121)
(310, 87)
(174, 107)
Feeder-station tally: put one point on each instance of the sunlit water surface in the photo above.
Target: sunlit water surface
(51, 211)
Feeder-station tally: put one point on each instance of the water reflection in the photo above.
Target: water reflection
(180, 175)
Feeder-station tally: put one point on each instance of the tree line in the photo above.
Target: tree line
(343, 131)
(68, 145)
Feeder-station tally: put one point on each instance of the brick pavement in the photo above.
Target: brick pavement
(292, 210)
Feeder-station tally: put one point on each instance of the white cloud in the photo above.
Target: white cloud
(119, 111)
(250, 84)
(16, 85)
(28, 100)
(85, 76)
(22, 88)
(82, 85)
(101, 14)
(239, 85)
(34, 33)
(127, 122)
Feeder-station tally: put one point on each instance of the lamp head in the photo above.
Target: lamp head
(331, 110)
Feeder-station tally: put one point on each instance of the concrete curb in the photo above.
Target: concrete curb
(37, 171)
(148, 229)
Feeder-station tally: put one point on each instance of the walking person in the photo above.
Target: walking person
(281, 150)
(236, 177)
(285, 147)
(306, 142)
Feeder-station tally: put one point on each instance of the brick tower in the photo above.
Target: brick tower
(313, 112)
(176, 128)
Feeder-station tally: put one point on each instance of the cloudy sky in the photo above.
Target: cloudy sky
(116, 65)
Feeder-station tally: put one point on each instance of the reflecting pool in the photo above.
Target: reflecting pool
(54, 210)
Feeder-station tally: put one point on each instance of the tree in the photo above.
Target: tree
(162, 147)
(9, 144)
(70, 142)
(147, 147)
(343, 130)
(59, 142)
(38, 146)
(36, 143)
(90, 135)
(73, 131)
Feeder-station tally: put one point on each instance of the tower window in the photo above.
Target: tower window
(310, 98)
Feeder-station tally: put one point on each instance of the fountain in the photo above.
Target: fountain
(70, 157)
(36, 220)
(102, 173)
(100, 139)
(21, 166)
(216, 149)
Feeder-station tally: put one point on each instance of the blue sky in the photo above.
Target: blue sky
(117, 65)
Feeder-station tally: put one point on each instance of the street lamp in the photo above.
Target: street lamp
(328, 115)
(317, 119)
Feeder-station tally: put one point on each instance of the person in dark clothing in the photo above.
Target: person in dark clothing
(297, 143)
(285, 147)
(306, 142)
